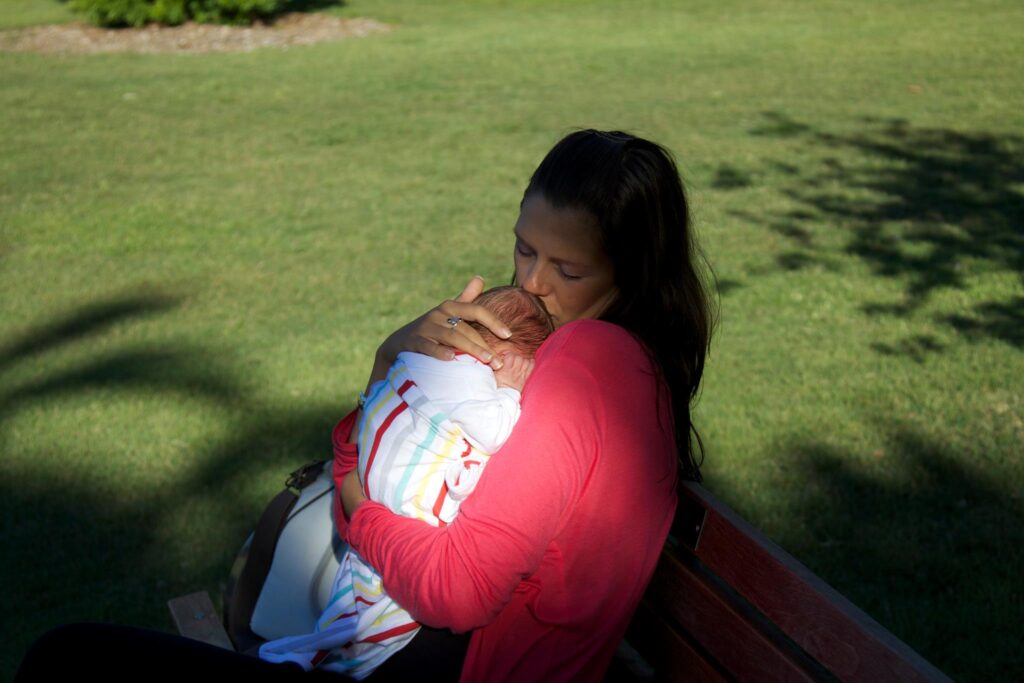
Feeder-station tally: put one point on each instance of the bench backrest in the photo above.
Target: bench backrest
(727, 604)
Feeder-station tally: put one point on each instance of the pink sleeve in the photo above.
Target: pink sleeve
(462, 575)
(346, 457)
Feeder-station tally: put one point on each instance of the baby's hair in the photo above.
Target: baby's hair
(522, 312)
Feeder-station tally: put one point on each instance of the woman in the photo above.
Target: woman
(550, 556)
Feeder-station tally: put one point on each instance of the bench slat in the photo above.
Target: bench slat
(195, 618)
(828, 626)
(674, 657)
(728, 637)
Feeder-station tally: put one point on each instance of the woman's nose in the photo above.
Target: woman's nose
(532, 281)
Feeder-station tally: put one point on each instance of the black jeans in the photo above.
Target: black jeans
(113, 652)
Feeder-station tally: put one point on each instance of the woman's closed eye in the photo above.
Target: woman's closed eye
(566, 271)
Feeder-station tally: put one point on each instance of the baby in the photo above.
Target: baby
(425, 434)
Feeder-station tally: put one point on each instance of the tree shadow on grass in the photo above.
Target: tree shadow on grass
(932, 549)
(926, 206)
(76, 554)
(159, 368)
(73, 552)
(89, 321)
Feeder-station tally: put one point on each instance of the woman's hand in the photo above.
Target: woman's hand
(351, 493)
(433, 334)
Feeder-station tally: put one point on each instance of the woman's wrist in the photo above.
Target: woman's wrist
(352, 494)
(382, 360)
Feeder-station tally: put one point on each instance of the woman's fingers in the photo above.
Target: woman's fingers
(479, 314)
(471, 290)
(433, 335)
(459, 336)
(476, 313)
(443, 330)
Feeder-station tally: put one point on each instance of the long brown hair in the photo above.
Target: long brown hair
(632, 187)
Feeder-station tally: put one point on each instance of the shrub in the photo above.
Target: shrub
(173, 12)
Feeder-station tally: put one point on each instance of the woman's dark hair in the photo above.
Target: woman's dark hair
(632, 187)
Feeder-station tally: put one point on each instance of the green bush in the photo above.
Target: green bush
(173, 12)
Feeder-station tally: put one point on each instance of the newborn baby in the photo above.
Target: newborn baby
(425, 435)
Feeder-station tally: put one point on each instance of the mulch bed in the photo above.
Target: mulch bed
(290, 29)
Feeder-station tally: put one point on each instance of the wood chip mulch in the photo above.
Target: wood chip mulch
(290, 29)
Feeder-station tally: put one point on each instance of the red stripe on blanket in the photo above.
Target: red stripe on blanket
(380, 434)
(360, 598)
(391, 633)
(444, 490)
(438, 503)
(405, 387)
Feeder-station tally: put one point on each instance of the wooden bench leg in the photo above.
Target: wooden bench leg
(195, 618)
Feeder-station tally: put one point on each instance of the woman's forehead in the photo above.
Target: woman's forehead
(565, 234)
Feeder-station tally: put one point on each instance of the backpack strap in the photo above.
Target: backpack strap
(253, 563)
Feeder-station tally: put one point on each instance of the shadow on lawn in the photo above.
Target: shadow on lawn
(91, 320)
(928, 206)
(311, 5)
(159, 368)
(73, 552)
(930, 548)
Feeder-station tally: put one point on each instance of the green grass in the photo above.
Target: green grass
(199, 253)
(20, 13)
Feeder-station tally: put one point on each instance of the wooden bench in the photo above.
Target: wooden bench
(195, 617)
(725, 604)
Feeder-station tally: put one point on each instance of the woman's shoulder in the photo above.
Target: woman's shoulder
(590, 341)
(593, 358)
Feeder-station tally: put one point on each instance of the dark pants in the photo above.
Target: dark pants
(114, 652)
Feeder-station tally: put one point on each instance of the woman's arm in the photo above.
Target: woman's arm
(346, 459)
(462, 575)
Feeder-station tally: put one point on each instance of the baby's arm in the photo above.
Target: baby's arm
(488, 422)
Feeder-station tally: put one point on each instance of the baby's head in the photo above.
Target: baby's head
(522, 313)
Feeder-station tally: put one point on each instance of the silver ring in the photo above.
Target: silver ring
(454, 321)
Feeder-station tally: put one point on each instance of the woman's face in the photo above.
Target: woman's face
(559, 258)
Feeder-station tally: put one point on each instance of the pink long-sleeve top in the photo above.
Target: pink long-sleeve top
(549, 557)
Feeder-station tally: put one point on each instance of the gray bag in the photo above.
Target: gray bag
(281, 580)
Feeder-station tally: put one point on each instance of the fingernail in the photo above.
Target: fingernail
(506, 333)
(496, 364)
(488, 357)
(449, 355)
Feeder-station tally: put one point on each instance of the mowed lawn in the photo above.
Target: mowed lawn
(200, 253)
